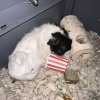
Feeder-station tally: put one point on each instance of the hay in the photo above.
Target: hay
(49, 83)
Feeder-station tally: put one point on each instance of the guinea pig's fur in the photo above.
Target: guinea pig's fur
(33, 49)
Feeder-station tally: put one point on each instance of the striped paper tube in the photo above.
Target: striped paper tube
(57, 63)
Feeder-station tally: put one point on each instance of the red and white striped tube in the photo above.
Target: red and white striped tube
(57, 63)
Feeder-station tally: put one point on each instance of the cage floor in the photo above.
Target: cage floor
(50, 84)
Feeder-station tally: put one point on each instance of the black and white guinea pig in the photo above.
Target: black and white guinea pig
(33, 49)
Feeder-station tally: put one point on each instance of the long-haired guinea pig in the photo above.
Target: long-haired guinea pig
(33, 49)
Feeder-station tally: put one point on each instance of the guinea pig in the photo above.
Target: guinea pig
(33, 49)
